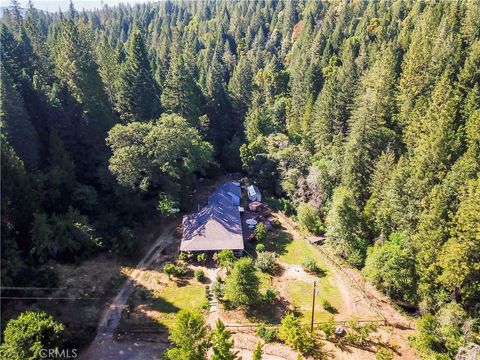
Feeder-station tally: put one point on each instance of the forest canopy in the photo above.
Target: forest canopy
(364, 115)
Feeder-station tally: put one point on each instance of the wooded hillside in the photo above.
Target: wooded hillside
(364, 116)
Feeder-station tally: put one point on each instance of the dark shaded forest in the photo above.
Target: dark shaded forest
(361, 118)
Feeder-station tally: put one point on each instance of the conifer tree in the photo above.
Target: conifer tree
(16, 123)
(181, 94)
(222, 344)
(137, 96)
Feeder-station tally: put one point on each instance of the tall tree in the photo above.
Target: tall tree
(190, 337)
(137, 96)
(222, 344)
(181, 94)
(15, 122)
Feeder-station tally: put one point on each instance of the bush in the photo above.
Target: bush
(328, 327)
(260, 232)
(169, 269)
(287, 206)
(202, 257)
(225, 259)
(267, 334)
(265, 261)
(182, 256)
(180, 270)
(384, 354)
(327, 306)
(309, 219)
(312, 267)
(175, 270)
(357, 334)
(270, 296)
(260, 248)
(199, 275)
(295, 335)
(218, 288)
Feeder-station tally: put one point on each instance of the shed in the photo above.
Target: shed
(254, 193)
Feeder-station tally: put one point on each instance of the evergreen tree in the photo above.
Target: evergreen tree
(242, 285)
(222, 343)
(181, 94)
(137, 96)
(16, 123)
(257, 352)
(190, 337)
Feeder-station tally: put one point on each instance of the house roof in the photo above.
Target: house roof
(217, 226)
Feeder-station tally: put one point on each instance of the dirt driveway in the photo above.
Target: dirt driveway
(104, 346)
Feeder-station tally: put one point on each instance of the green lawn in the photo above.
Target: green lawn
(293, 251)
(172, 298)
(300, 292)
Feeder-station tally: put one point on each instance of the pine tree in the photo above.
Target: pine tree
(16, 123)
(240, 88)
(190, 337)
(459, 259)
(75, 66)
(137, 96)
(257, 352)
(181, 94)
(222, 344)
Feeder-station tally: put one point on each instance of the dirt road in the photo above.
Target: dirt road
(104, 347)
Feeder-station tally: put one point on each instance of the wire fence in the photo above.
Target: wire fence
(335, 263)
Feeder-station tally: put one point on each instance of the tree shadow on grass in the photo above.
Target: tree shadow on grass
(277, 242)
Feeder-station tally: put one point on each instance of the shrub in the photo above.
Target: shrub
(182, 256)
(175, 270)
(225, 259)
(202, 257)
(270, 296)
(180, 270)
(295, 335)
(266, 333)
(384, 354)
(260, 232)
(199, 275)
(312, 267)
(328, 327)
(218, 288)
(358, 334)
(265, 261)
(287, 206)
(259, 248)
(328, 306)
(169, 269)
(309, 219)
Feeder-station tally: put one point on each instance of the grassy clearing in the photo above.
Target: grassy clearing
(173, 298)
(293, 251)
(299, 294)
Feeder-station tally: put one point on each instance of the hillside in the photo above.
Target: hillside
(358, 120)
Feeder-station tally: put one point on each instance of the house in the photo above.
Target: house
(254, 193)
(217, 226)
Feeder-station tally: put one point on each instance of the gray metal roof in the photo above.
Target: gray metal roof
(217, 226)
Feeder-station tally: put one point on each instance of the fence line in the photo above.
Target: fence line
(345, 273)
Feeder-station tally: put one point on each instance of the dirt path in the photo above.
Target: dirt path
(356, 293)
(104, 346)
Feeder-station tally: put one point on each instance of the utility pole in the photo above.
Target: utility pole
(313, 303)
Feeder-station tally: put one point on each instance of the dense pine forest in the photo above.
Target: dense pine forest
(361, 118)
